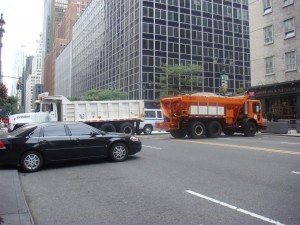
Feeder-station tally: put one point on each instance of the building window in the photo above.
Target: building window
(289, 28)
(269, 65)
(268, 34)
(287, 2)
(267, 6)
(290, 61)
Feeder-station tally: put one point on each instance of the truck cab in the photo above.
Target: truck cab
(151, 117)
(43, 112)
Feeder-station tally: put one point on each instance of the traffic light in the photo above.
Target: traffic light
(19, 85)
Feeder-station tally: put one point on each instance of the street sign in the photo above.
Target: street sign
(224, 83)
(224, 77)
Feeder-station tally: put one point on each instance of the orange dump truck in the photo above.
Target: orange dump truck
(207, 114)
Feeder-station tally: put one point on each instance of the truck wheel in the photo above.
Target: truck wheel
(214, 129)
(250, 129)
(228, 131)
(108, 127)
(197, 130)
(118, 152)
(178, 133)
(31, 161)
(147, 129)
(126, 128)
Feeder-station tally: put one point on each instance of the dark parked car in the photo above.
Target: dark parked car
(34, 145)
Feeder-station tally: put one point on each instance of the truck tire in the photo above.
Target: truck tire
(214, 129)
(126, 128)
(250, 129)
(108, 127)
(229, 131)
(178, 133)
(148, 129)
(197, 130)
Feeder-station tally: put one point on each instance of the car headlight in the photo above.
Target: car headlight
(134, 139)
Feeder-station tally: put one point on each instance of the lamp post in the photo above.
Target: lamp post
(2, 22)
(224, 62)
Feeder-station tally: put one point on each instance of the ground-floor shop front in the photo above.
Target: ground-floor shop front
(282, 99)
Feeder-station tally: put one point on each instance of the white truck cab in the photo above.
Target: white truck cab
(151, 117)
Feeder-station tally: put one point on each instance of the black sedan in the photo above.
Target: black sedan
(34, 145)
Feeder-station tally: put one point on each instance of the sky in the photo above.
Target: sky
(23, 25)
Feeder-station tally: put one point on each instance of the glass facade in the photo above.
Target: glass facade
(123, 44)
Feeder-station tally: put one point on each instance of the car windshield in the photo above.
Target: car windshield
(22, 129)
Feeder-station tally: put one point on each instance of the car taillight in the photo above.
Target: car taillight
(2, 146)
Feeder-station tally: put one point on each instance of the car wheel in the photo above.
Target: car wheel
(147, 129)
(31, 161)
(118, 152)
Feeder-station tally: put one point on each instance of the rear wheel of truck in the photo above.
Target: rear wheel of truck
(229, 131)
(214, 129)
(250, 129)
(197, 130)
(126, 128)
(108, 127)
(178, 133)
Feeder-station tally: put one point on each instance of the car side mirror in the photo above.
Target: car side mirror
(93, 134)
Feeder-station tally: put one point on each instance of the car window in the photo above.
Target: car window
(35, 133)
(23, 129)
(159, 114)
(55, 130)
(150, 114)
(79, 130)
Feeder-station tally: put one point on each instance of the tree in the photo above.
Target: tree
(12, 104)
(99, 95)
(3, 93)
(179, 79)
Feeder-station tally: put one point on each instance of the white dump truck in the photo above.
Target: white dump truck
(111, 116)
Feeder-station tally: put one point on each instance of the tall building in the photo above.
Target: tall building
(275, 55)
(35, 77)
(123, 44)
(64, 15)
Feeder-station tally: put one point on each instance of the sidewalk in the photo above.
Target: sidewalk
(291, 133)
(13, 207)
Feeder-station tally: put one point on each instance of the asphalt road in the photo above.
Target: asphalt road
(228, 180)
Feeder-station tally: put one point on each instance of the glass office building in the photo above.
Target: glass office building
(121, 44)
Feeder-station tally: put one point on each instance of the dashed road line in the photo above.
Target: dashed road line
(295, 172)
(150, 147)
(289, 143)
(243, 147)
(234, 208)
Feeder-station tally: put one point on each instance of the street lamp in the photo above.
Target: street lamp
(2, 22)
(224, 62)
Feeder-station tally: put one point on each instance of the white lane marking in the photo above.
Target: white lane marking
(295, 172)
(289, 143)
(150, 147)
(234, 208)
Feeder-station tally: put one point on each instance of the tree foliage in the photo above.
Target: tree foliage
(180, 79)
(3, 93)
(11, 104)
(100, 95)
